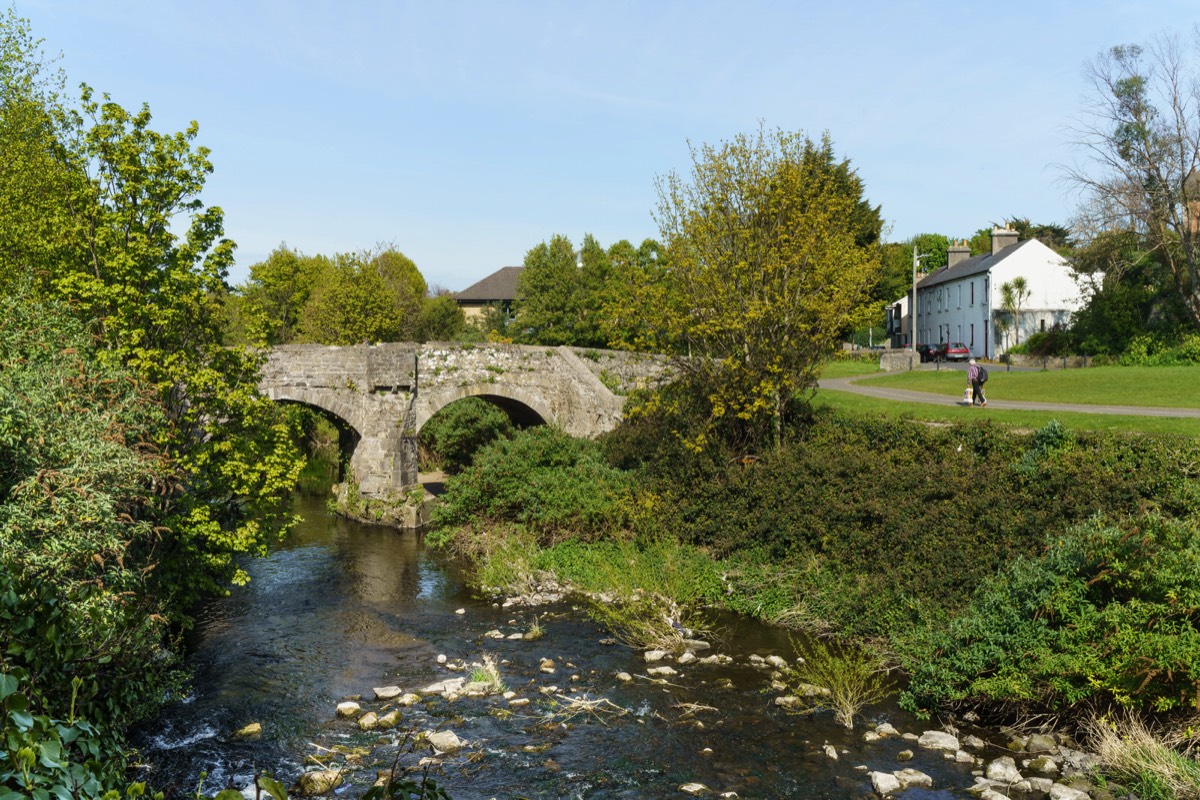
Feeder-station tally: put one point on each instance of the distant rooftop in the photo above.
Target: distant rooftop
(500, 286)
(971, 266)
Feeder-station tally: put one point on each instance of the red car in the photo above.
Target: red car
(952, 351)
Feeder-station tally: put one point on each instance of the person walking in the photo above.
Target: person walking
(976, 375)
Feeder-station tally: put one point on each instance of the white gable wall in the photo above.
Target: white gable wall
(1053, 297)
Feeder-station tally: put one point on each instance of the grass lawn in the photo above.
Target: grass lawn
(1163, 387)
(850, 368)
(1030, 420)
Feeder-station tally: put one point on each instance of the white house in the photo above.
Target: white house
(961, 301)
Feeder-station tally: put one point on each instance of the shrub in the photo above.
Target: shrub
(1110, 609)
(869, 505)
(83, 492)
(452, 437)
(552, 483)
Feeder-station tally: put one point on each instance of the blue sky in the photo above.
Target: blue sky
(467, 132)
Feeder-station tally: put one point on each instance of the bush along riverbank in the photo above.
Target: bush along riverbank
(1044, 577)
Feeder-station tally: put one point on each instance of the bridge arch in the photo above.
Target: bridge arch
(383, 456)
(348, 435)
(523, 407)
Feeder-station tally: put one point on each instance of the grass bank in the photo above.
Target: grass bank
(1156, 387)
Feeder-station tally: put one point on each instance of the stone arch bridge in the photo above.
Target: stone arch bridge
(382, 395)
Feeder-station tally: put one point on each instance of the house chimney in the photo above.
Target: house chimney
(957, 252)
(1002, 238)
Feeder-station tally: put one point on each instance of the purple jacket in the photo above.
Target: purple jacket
(973, 373)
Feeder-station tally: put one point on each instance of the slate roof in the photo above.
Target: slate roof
(498, 287)
(974, 265)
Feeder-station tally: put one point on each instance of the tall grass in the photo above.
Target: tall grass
(1148, 765)
(854, 677)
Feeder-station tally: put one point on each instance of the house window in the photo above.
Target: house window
(1043, 325)
(972, 334)
(972, 292)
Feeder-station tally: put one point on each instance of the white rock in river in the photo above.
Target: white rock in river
(441, 659)
(348, 709)
(448, 686)
(1043, 765)
(445, 741)
(1060, 792)
(777, 662)
(661, 671)
(624, 677)
(694, 789)
(886, 729)
(831, 752)
(387, 692)
(388, 720)
(323, 781)
(654, 655)
(368, 721)
(939, 740)
(547, 665)
(1003, 770)
(885, 783)
(912, 777)
(687, 658)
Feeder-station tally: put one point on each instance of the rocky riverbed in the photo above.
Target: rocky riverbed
(527, 698)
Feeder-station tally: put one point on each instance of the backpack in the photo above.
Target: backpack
(982, 375)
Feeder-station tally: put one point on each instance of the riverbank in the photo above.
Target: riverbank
(988, 581)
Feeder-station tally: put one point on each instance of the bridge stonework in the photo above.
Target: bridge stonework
(385, 393)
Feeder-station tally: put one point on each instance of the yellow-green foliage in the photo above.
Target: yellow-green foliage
(772, 256)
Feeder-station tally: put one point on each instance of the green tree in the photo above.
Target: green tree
(1128, 295)
(276, 292)
(895, 280)
(633, 305)
(153, 296)
(405, 287)
(350, 303)
(773, 256)
(1143, 164)
(441, 319)
(549, 305)
(38, 170)
(132, 249)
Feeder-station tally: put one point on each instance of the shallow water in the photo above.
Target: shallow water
(341, 607)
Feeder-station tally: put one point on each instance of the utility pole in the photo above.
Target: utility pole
(912, 309)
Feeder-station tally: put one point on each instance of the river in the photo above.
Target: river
(341, 607)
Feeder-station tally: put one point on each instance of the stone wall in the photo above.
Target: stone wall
(899, 360)
(625, 372)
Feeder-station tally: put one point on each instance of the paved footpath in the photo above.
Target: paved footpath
(906, 396)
